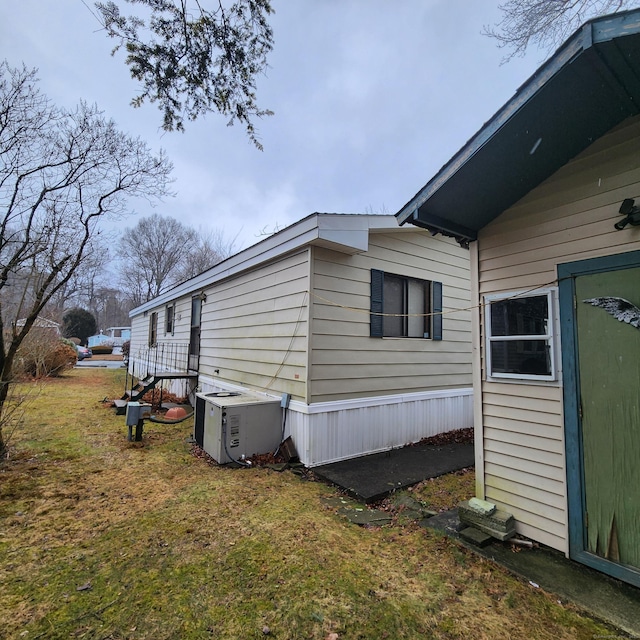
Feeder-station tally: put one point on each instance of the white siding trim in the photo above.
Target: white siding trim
(332, 431)
(359, 403)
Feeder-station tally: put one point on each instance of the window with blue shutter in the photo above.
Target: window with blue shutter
(377, 302)
(403, 307)
(436, 322)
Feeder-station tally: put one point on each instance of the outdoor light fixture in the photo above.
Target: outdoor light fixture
(631, 213)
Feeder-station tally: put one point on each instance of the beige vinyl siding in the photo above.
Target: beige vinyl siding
(346, 362)
(254, 327)
(569, 217)
(523, 452)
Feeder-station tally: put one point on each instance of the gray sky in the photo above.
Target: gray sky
(371, 98)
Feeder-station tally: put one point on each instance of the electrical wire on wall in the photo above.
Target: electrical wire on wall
(303, 306)
(480, 305)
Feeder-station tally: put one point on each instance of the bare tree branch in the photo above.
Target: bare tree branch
(546, 23)
(160, 252)
(192, 60)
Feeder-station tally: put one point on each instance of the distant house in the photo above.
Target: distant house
(341, 312)
(114, 336)
(547, 197)
(42, 325)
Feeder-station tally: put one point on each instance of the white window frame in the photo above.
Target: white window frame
(550, 338)
(171, 306)
(153, 329)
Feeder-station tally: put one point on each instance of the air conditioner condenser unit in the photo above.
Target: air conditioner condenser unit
(232, 426)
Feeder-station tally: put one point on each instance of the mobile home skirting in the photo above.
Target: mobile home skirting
(328, 432)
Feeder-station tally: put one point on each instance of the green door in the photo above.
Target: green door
(608, 364)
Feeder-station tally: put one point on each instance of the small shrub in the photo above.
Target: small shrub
(61, 358)
(101, 349)
(39, 356)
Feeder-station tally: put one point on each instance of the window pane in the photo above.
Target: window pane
(520, 317)
(153, 329)
(521, 356)
(196, 305)
(415, 323)
(393, 303)
(169, 324)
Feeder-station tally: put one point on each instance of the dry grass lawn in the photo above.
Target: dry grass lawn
(102, 538)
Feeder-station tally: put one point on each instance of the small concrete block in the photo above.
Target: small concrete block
(499, 535)
(499, 524)
(475, 536)
(482, 506)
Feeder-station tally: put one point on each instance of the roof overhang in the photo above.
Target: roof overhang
(590, 85)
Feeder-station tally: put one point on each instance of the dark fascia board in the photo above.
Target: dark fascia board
(586, 88)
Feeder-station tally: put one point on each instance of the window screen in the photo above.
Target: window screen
(519, 336)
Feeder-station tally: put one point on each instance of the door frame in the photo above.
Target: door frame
(571, 396)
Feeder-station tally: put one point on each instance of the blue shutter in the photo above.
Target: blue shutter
(436, 288)
(377, 303)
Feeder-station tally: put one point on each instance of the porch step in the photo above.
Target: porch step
(140, 389)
